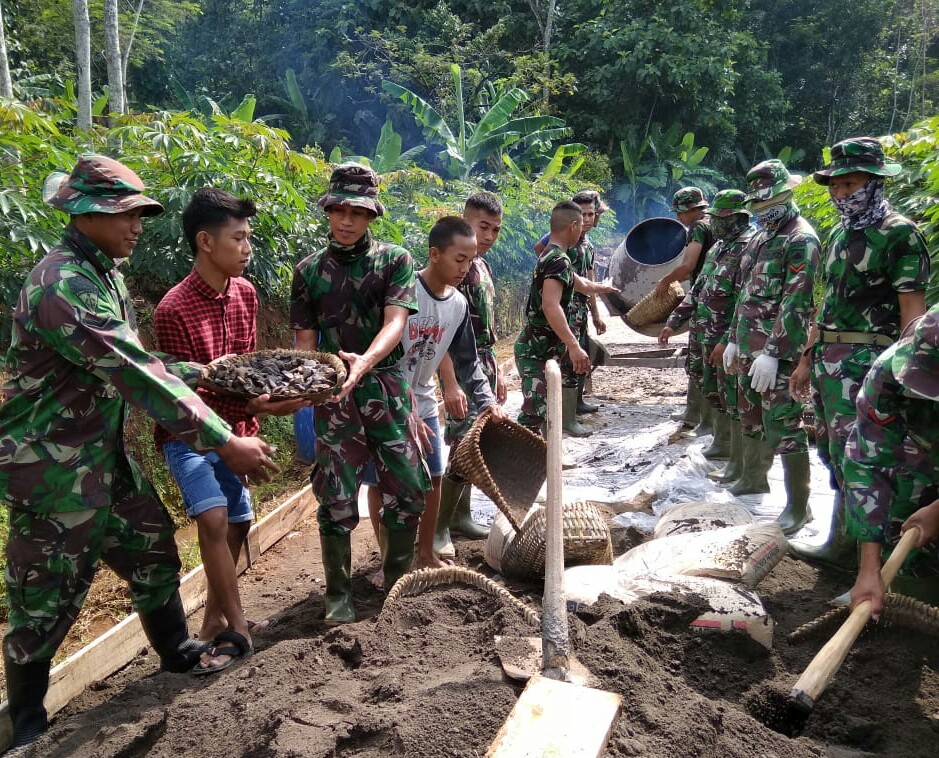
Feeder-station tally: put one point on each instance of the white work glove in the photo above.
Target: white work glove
(730, 352)
(763, 373)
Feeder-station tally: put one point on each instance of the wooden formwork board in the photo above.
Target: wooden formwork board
(671, 357)
(117, 647)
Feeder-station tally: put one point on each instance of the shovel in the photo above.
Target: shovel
(790, 716)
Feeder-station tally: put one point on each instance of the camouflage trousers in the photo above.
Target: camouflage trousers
(53, 557)
(838, 372)
(457, 428)
(374, 422)
(694, 363)
(718, 388)
(773, 415)
(531, 355)
(577, 321)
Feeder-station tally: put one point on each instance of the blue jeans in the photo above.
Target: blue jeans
(206, 482)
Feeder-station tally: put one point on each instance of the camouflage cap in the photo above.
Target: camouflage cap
(768, 179)
(353, 184)
(857, 154)
(98, 184)
(916, 361)
(728, 202)
(688, 198)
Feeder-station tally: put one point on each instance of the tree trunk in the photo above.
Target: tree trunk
(83, 62)
(130, 39)
(112, 41)
(6, 83)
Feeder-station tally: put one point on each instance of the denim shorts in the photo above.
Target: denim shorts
(434, 458)
(206, 482)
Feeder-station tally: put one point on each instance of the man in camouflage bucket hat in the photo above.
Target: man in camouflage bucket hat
(689, 205)
(711, 302)
(353, 298)
(891, 459)
(876, 269)
(768, 332)
(75, 497)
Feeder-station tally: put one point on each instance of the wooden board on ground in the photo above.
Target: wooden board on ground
(554, 718)
(672, 357)
(117, 647)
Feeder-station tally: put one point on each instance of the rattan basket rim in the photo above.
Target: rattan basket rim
(316, 397)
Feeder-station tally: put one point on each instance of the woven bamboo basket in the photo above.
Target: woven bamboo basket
(506, 461)
(586, 541)
(315, 396)
(654, 308)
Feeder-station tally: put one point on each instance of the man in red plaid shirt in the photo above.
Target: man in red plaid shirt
(211, 313)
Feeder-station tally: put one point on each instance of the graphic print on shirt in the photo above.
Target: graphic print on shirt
(424, 332)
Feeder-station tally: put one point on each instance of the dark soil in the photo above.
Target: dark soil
(423, 679)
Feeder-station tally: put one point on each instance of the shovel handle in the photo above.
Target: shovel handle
(819, 673)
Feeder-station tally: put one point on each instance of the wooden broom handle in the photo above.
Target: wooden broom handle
(819, 673)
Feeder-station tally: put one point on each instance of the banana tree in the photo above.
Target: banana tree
(388, 156)
(472, 145)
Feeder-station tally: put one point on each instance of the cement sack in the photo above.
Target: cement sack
(701, 516)
(501, 533)
(743, 554)
(732, 607)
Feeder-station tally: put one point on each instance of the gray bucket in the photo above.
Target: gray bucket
(651, 250)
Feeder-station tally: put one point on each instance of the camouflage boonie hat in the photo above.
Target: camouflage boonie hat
(688, 198)
(916, 361)
(768, 179)
(353, 184)
(98, 184)
(728, 202)
(857, 154)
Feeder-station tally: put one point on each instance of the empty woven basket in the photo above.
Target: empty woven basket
(506, 461)
(654, 308)
(586, 541)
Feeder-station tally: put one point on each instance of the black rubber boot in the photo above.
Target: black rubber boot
(397, 550)
(569, 422)
(169, 635)
(582, 405)
(757, 461)
(27, 684)
(796, 476)
(839, 549)
(462, 524)
(337, 564)
(719, 449)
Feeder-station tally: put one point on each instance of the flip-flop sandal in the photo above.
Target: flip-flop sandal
(238, 650)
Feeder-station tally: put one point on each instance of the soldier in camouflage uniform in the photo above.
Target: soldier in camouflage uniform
(890, 464)
(876, 272)
(689, 205)
(482, 211)
(353, 298)
(74, 495)
(547, 334)
(769, 330)
(710, 302)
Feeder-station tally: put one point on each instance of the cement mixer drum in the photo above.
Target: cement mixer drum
(651, 250)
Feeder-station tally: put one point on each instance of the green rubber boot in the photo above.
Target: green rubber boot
(462, 524)
(719, 449)
(450, 493)
(569, 422)
(757, 460)
(27, 684)
(706, 424)
(337, 562)
(734, 468)
(692, 414)
(796, 477)
(397, 552)
(839, 549)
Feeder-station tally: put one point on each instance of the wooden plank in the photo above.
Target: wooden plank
(557, 719)
(119, 645)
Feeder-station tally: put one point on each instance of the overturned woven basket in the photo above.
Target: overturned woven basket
(506, 461)
(290, 390)
(654, 308)
(586, 541)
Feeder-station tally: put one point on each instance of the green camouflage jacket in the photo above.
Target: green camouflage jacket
(775, 305)
(553, 264)
(864, 271)
(74, 363)
(480, 292)
(581, 256)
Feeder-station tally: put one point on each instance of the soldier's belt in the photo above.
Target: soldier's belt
(857, 338)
